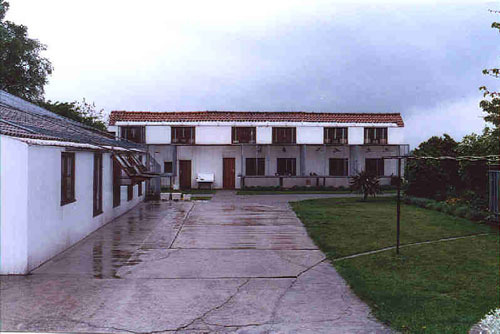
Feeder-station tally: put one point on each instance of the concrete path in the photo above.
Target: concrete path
(235, 264)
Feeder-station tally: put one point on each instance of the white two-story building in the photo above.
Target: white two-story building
(244, 149)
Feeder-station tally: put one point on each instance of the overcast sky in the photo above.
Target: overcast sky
(422, 58)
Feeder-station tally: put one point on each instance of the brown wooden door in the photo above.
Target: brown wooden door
(228, 173)
(185, 174)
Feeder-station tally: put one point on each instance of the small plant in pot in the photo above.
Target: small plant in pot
(365, 183)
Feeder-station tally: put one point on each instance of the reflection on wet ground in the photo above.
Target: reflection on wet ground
(121, 242)
(223, 266)
(148, 231)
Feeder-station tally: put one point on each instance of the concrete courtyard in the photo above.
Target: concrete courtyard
(235, 264)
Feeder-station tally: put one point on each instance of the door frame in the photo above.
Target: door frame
(184, 163)
(232, 174)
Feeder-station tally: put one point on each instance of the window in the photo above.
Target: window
(243, 135)
(255, 166)
(284, 135)
(97, 184)
(117, 172)
(139, 189)
(375, 135)
(335, 136)
(67, 178)
(286, 166)
(338, 167)
(167, 167)
(130, 192)
(374, 167)
(134, 133)
(183, 135)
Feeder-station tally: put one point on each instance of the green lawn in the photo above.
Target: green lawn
(442, 287)
(285, 192)
(291, 191)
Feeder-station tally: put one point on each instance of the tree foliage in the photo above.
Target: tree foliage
(82, 112)
(491, 102)
(434, 179)
(23, 71)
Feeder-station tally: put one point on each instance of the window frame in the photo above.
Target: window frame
(376, 135)
(117, 172)
(127, 132)
(175, 139)
(278, 137)
(139, 189)
(243, 138)
(344, 162)
(379, 166)
(257, 166)
(67, 157)
(97, 195)
(331, 135)
(130, 193)
(165, 163)
(289, 162)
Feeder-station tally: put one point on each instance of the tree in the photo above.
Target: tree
(474, 174)
(366, 184)
(491, 102)
(23, 71)
(430, 178)
(82, 112)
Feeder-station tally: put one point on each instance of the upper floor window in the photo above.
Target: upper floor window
(284, 135)
(137, 134)
(67, 178)
(183, 135)
(375, 135)
(243, 135)
(335, 135)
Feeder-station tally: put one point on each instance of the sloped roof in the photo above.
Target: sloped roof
(19, 118)
(253, 116)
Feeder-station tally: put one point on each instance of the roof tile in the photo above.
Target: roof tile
(253, 116)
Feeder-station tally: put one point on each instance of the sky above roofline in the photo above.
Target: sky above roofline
(423, 59)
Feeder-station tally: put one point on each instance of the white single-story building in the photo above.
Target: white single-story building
(59, 181)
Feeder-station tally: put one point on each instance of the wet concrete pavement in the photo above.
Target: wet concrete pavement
(235, 264)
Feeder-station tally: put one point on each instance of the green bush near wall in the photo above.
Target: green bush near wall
(454, 209)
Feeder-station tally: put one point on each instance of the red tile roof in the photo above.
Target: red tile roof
(253, 116)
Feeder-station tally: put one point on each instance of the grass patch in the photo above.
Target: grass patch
(287, 192)
(201, 198)
(443, 287)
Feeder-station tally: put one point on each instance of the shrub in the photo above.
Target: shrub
(439, 206)
(366, 184)
(461, 211)
(476, 215)
(448, 209)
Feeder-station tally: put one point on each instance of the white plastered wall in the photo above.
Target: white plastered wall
(46, 228)
(158, 134)
(310, 135)
(14, 206)
(213, 135)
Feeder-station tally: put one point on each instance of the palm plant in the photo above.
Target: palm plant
(365, 183)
